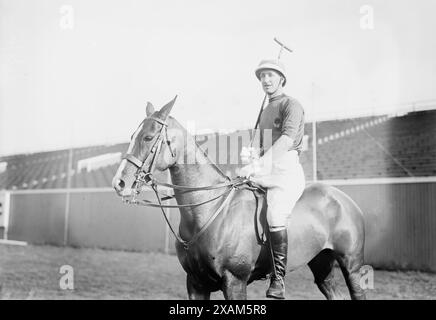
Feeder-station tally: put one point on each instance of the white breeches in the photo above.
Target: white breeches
(285, 183)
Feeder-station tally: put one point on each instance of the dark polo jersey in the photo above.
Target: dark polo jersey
(282, 115)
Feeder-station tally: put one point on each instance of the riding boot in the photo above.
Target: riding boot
(279, 246)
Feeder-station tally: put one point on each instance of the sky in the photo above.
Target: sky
(77, 73)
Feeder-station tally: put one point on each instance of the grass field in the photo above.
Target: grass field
(33, 272)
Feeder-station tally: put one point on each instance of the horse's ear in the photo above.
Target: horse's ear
(150, 109)
(166, 109)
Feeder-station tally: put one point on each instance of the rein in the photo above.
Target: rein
(144, 177)
(227, 194)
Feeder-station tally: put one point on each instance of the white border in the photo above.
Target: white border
(72, 190)
(341, 182)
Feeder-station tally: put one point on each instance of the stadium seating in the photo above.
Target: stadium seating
(366, 147)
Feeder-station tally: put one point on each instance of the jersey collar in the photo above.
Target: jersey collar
(277, 97)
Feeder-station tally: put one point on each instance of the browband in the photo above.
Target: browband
(162, 122)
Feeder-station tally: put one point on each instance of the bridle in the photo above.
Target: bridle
(144, 176)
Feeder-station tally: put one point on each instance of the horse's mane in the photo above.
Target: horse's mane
(209, 161)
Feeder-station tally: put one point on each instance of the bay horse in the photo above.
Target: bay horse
(217, 244)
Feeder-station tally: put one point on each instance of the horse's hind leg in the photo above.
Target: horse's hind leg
(350, 266)
(322, 267)
(194, 292)
(233, 287)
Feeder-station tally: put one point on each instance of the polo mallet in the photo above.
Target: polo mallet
(282, 46)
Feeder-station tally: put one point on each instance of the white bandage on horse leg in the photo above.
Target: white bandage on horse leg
(276, 228)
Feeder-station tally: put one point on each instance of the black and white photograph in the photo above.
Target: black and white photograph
(217, 150)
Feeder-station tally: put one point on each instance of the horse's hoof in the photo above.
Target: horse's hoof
(276, 293)
(276, 288)
(280, 296)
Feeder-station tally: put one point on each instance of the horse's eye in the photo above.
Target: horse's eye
(148, 138)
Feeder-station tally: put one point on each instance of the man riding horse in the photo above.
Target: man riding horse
(278, 169)
(217, 244)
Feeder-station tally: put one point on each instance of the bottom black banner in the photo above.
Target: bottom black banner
(219, 309)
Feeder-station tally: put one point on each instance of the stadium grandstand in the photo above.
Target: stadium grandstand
(356, 148)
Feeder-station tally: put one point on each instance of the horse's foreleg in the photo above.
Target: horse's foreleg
(194, 292)
(233, 287)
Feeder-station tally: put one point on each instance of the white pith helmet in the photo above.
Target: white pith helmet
(275, 65)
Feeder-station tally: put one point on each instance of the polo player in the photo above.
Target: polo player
(278, 169)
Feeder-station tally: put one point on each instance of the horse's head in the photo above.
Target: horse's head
(153, 146)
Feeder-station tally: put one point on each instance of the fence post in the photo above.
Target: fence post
(67, 196)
